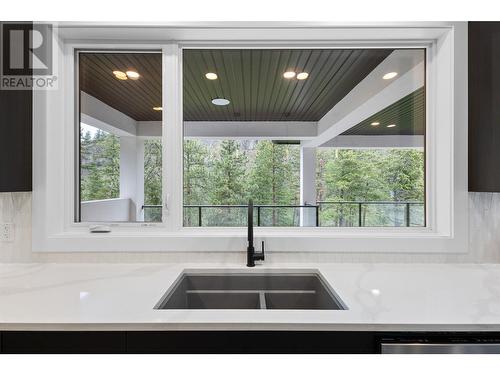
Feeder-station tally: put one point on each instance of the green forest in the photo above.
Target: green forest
(229, 172)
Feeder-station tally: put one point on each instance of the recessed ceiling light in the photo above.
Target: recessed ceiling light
(211, 76)
(157, 108)
(391, 126)
(390, 75)
(132, 74)
(289, 74)
(120, 75)
(302, 75)
(376, 123)
(220, 101)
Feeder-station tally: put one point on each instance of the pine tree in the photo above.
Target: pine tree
(404, 174)
(195, 178)
(228, 175)
(274, 179)
(100, 166)
(153, 179)
(152, 172)
(228, 183)
(352, 175)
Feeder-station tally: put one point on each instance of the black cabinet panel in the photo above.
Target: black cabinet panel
(15, 140)
(256, 342)
(16, 112)
(63, 342)
(484, 106)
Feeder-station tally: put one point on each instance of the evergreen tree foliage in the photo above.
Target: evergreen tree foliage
(274, 180)
(152, 172)
(152, 179)
(100, 166)
(196, 170)
(227, 177)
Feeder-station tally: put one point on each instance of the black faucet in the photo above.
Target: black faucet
(251, 255)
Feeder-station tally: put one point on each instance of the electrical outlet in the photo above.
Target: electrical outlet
(6, 232)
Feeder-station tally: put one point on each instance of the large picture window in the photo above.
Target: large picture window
(157, 140)
(315, 137)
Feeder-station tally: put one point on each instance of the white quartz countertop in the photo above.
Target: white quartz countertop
(382, 297)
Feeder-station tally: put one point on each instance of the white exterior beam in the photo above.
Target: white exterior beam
(376, 141)
(373, 94)
(297, 130)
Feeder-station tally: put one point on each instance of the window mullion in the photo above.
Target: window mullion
(172, 137)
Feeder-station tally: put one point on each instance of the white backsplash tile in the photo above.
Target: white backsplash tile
(484, 242)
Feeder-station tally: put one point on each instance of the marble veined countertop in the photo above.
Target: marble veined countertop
(380, 297)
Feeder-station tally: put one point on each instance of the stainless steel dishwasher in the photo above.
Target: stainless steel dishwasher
(469, 346)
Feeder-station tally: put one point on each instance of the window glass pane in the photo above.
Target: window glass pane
(315, 137)
(221, 175)
(370, 188)
(120, 127)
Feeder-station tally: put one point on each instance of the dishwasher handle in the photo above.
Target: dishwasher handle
(440, 348)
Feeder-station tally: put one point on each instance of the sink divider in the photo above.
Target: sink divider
(261, 293)
(262, 300)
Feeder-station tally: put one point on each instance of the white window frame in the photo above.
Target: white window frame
(54, 114)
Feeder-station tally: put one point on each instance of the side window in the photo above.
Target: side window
(120, 125)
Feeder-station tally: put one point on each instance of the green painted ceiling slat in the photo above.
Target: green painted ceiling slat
(134, 98)
(252, 79)
(408, 114)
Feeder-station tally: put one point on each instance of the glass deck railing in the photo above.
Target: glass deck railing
(322, 214)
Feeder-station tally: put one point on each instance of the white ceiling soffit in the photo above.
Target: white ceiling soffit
(100, 115)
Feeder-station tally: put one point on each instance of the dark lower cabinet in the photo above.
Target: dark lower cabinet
(264, 342)
(63, 342)
(224, 342)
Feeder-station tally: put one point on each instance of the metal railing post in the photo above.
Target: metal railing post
(317, 215)
(407, 214)
(258, 216)
(199, 216)
(359, 215)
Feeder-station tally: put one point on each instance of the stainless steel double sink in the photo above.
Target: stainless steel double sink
(251, 290)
